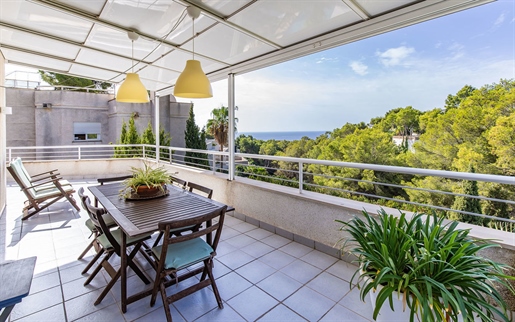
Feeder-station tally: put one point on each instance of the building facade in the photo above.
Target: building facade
(60, 117)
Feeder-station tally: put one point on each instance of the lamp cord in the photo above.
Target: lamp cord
(132, 57)
(193, 19)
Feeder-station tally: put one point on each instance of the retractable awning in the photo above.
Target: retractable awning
(89, 38)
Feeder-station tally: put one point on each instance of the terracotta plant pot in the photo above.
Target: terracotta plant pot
(146, 191)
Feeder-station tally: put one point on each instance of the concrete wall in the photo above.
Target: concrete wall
(21, 124)
(54, 126)
(46, 118)
(122, 112)
(3, 142)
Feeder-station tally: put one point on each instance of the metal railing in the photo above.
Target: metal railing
(322, 176)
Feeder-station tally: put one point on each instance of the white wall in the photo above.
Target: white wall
(2, 137)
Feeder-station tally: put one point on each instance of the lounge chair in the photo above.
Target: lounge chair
(41, 190)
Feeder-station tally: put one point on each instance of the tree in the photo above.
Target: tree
(56, 79)
(454, 101)
(195, 139)
(218, 125)
(468, 204)
(148, 137)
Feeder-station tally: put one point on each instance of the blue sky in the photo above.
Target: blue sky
(418, 66)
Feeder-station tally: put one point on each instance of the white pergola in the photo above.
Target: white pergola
(88, 38)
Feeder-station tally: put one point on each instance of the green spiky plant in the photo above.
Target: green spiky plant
(149, 176)
(432, 266)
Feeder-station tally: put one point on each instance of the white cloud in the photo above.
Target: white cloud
(359, 68)
(457, 51)
(499, 20)
(395, 56)
(326, 59)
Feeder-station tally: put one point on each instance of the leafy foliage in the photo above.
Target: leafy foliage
(149, 176)
(129, 135)
(195, 139)
(57, 79)
(433, 265)
(218, 125)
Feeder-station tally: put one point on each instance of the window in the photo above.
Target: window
(88, 131)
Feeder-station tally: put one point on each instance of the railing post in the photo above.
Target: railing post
(80, 153)
(301, 176)
(232, 125)
(144, 152)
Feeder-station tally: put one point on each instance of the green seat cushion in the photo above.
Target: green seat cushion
(109, 221)
(184, 254)
(51, 185)
(117, 234)
(91, 226)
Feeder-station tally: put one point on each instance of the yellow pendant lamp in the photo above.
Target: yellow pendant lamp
(132, 89)
(192, 82)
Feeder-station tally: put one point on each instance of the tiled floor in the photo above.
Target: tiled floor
(261, 276)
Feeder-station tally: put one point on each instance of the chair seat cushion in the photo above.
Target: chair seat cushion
(91, 226)
(181, 255)
(117, 234)
(51, 185)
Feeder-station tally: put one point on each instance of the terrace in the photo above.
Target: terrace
(278, 250)
(272, 255)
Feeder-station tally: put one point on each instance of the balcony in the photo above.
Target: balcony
(272, 256)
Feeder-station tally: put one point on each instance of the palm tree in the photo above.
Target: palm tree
(218, 125)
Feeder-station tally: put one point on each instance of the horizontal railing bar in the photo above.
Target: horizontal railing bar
(394, 169)
(416, 203)
(411, 188)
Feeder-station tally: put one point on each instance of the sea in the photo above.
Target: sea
(288, 136)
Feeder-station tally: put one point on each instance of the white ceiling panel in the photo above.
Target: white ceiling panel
(37, 61)
(375, 7)
(91, 6)
(155, 17)
(222, 7)
(94, 58)
(159, 74)
(42, 19)
(36, 43)
(228, 45)
(176, 60)
(116, 41)
(234, 36)
(152, 84)
(91, 72)
(289, 22)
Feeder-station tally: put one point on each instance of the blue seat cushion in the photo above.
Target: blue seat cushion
(184, 254)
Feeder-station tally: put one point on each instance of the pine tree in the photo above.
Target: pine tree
(195, 139)
(469, 204)
(132, 137)
(120, 152)
(148, 137)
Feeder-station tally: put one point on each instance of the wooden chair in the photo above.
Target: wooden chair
(193, 186)
(95, 231)
(178, 181)
(109, 241)
(180, 253)
(42, 190)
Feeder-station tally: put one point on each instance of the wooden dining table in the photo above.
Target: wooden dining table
(140, 217)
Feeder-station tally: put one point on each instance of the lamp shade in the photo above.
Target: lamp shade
(193, 83)
(132, 90)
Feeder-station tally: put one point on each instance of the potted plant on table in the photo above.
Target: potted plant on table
(147, 181)
(424, 267)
